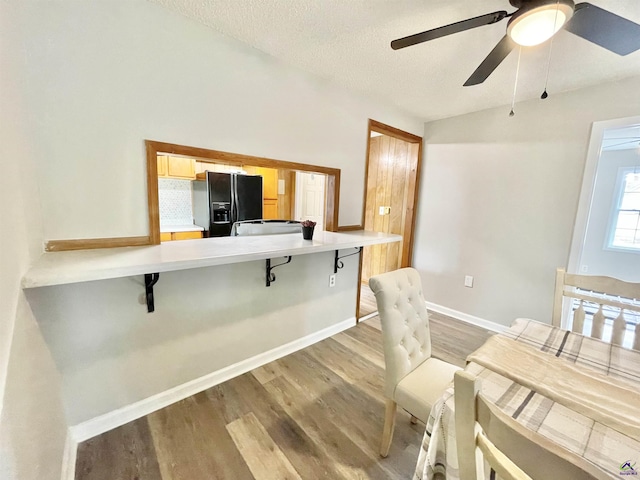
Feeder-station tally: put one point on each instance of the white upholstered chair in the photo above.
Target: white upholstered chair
(598, 294)
(413, 379)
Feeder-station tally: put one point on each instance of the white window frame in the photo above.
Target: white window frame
(613, 218)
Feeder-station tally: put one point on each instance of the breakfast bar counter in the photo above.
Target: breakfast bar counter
(137, 328)
(59, 268)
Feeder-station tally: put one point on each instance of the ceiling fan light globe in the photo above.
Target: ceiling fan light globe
(537, 25)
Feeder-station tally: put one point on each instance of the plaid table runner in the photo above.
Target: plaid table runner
(611, 451)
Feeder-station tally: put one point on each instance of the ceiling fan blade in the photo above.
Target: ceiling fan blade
(468, 24)
(613, 32)
(489, 64)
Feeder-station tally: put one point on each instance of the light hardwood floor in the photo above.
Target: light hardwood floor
(367, 301)
(315, 414)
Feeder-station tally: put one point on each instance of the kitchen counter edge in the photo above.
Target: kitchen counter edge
(60, 268)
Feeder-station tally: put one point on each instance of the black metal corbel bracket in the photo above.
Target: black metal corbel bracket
(150, 279)
(271, 276)
(337, 263)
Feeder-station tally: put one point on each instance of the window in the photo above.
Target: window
(625, 231)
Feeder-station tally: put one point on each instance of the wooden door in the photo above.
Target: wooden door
(389, 200)
(286, 194)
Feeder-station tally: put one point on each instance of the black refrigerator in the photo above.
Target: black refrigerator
(225, 198)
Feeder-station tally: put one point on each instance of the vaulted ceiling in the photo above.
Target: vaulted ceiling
(347, 42)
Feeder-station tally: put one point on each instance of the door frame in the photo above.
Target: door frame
(414, 183)
(588, 184)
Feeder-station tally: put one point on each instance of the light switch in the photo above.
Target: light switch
(281, 187)
(384, 210)
(468, 281)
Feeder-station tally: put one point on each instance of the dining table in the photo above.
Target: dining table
(609, 441)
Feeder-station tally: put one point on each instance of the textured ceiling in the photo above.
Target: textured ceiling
(347, 42)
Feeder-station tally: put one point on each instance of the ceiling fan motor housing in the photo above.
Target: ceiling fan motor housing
(536, 21)
(536, 3)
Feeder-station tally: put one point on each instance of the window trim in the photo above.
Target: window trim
(615, 209)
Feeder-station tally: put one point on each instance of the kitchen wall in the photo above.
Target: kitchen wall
(499, 196)
(104, 75)
(596, 257)
(32, 424)
(175, 200)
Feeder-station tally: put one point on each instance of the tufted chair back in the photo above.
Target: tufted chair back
(405, 323)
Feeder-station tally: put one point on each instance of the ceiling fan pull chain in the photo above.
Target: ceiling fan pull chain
(546, 80)
(515, 85)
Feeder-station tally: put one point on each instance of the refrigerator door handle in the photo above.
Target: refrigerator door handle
(234, 196)
(233, 204)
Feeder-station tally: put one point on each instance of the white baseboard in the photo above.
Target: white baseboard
(465, 317)
(116, 418)
(367, 317)
(69, 457)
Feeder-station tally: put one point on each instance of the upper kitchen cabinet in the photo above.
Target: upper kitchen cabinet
(269, 189)
(176, 167)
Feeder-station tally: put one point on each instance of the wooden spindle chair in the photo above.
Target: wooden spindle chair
(602, 292)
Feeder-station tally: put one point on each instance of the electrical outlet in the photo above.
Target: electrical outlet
(332, 280)
(468, 281)
(584, 268)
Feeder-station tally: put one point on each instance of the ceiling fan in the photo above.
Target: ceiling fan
(536, 21)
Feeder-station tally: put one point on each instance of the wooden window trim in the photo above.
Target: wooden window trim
(332, 196)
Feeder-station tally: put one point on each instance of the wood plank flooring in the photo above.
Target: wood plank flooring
(367, 301)
(315, 414)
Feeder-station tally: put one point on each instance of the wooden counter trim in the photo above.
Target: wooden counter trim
(350, 228)
(90, 243)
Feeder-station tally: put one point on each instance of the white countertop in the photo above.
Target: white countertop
(180, 228)
(58, 268)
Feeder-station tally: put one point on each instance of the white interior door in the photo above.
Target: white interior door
(310, 198)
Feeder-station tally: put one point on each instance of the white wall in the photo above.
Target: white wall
(596, 256)
(111, 353)
(32, 423)
(104, 75)
(98, 77)
(498, 199)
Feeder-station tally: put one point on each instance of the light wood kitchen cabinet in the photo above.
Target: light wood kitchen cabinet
(162, 165)
(270, 209)
(269, 190)
(176, 167)
(185, 235)
(169, 236)
(270, 182)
